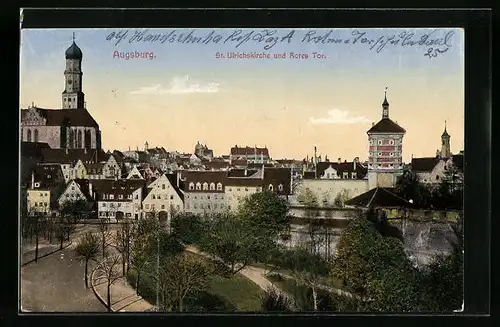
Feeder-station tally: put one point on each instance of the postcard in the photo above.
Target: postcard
(241, 170)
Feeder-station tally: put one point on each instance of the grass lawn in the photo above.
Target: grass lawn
(240, 291)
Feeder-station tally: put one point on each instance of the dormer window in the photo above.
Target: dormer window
(198, 186)
(353, 175)
(280, 187)
(212, 186)
(345, 175)
(191, 186)
(219, 187)
(379, 142)
(270, 187)
(205, 186)
(120, 196)
(111, 196)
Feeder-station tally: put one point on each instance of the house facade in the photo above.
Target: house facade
(163, 196)
(204, 191)
(118, 199)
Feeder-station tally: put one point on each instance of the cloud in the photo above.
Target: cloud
(179, 85)
(338, 117)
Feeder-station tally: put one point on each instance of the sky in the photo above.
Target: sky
(187, 92)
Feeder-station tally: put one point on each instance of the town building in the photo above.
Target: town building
(385, 161)
(204, 191)
(251, 154)
(164, 196)
(77, 189)
(71, 127)
(117, 199)
(203, 152)
(47, 183)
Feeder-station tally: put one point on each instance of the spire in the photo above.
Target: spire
(445, 133)
(385, 106)
(73, 36)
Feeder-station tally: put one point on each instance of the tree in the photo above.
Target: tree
(87, 249)
(104, 233)
(37, 220)
(109, 271)
(64, 227)
(231, 242)
(410, 187)
(182, 275)
(78, 209)
(265, 213)
(121, 242)
(143, 245)
(376, 268)
(273, 300)
(341, 198)
(188, 227)
(307, 269)
(307, 198)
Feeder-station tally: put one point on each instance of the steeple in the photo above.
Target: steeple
(445, 143)
(73, 96)
(385, 106)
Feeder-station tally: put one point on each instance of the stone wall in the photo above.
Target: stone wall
(327, 189)
(422, 240)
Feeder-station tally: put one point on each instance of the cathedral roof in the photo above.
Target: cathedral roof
(424, 164)
(74, 52)
(386, 125)
(67, 156)
(57, 117)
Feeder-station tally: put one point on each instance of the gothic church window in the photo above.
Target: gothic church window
(79, 139)
(29, 135)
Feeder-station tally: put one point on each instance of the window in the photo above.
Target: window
(212, 186)
(270, 187)
(187, 205)
(152, 205)
(191, 186)
(205, 186)
(437, 177)
(163, 206)
(128, 215)
(353, 175)
(120, 196)
(163, 186)
(154, 197)
(229, 189)
(178, 207)
(392, 154)
(379, 142)
(171, 197)
(195, 206)
(158, 196)
(201, 205)
(391, 142)
(280, 187)
(246, 189)
(147, 206)
(219, 187)
(198, 186)
(111, 196)
(196, 198)
(119, 204)
(136, 196)
(72, 188)
(345, 175)
(129, 197)
(215, 196)
(36, 135)
(104, 204)
(215, 205)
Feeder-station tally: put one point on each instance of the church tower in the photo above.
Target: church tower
(385, 161)
(445, 143)
(72, 96)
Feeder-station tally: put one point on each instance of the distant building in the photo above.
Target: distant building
(47, 183)
(204, 191)
(117, 199)
(164, 197)
(252, 155)
(202, 151)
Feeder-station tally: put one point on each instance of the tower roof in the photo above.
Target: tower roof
(386, 125)
(74, 52)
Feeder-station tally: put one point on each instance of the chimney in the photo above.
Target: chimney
(373, 124)
(354, 163)
(66, 150)
(178, 178)
(85, 150)
(91, 191)
(245, 171)
(32, 180)
(340, 160)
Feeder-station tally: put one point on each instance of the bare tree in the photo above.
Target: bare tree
(88, 249)
(121, 241)
(109, 270)
(104, 233)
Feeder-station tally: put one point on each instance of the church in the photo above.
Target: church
(71, 127)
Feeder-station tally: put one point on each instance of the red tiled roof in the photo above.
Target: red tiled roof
(60, 117)
(386, 125)
(276, 177)
(243, 151)
(123, 187)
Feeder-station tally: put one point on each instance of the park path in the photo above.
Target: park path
(123, 296)
(254, 274)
